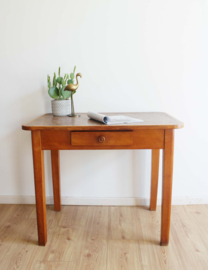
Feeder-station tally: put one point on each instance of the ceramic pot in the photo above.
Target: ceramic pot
(61, 107)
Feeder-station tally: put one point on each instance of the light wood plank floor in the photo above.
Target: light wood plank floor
(103, 238)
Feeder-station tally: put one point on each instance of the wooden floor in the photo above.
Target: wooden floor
(103, 238)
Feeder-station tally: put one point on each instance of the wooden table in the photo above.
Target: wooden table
(65, 133)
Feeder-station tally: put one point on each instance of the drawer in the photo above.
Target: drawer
(101, 138)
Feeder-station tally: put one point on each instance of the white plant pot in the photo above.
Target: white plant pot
(61, 107)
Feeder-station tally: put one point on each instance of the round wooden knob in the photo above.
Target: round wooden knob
(101, 139)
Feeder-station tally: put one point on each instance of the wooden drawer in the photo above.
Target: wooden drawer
(101, 138)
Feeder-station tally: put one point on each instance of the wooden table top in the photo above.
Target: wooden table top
(151, 120)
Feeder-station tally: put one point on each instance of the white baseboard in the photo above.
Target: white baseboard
(4, 199)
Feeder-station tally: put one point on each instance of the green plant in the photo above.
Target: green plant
(59, 84)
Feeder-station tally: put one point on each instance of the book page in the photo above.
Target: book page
(112, 120)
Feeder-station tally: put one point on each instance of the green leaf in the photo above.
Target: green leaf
(65, 94)
(49, 81)
(59, 71)
(70, 82)
(54, 79)
(53, 92)
(62, 82)
(59, 91)
(74, 68)
(72, 76)
(59, 80)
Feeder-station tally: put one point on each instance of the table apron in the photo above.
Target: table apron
(138, 139)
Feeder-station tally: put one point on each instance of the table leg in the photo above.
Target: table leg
(167, 186)
(56, 179)
(154, 178)
(38, 162)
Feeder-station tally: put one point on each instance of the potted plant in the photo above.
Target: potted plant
(60, 103)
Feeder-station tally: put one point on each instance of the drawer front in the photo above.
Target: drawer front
(101, 138)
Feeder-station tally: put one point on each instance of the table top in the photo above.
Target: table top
(151, 120)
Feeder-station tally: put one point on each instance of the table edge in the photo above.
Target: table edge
(26, 126)
(104, 127)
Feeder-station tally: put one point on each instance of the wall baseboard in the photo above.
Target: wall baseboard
(4, 199)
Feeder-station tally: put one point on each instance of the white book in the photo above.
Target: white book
(112, 120)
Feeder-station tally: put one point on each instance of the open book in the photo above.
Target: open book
(112, 120)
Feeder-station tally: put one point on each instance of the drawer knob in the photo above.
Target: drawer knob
(101, 139)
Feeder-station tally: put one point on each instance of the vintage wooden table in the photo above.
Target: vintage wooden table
(65, 133)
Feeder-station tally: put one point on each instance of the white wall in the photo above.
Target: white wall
(134, 56)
